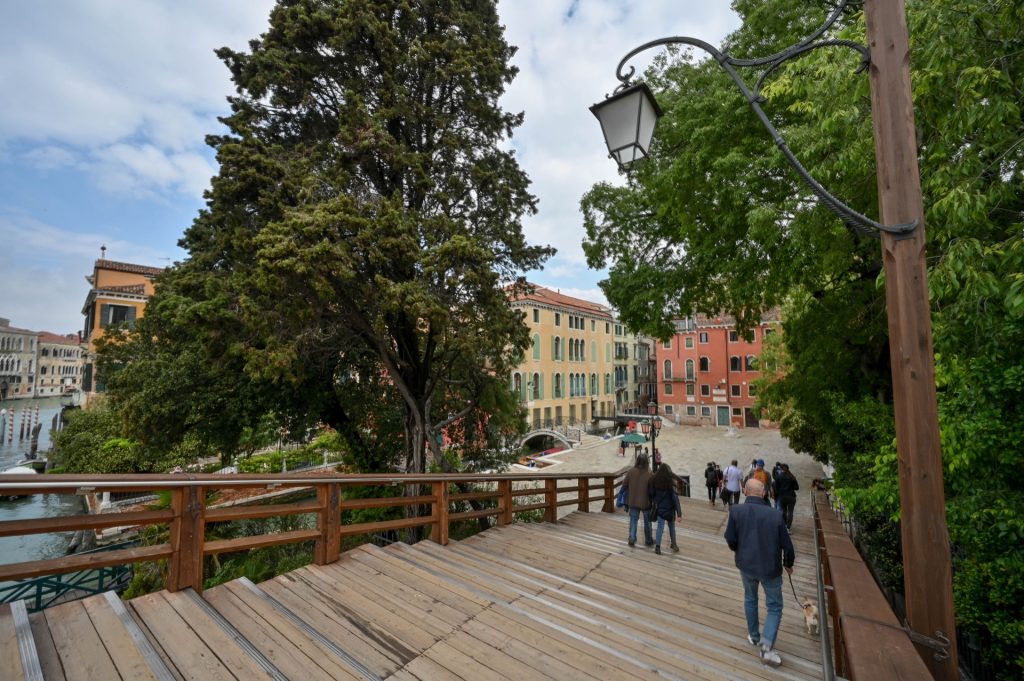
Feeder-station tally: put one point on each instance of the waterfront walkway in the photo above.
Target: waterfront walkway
(527, 601)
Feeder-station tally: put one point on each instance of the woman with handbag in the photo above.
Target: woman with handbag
(665, 505)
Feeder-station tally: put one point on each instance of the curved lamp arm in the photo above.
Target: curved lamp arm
(855, 220)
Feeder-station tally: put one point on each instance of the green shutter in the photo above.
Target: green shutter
(536, 346)
(541, 386)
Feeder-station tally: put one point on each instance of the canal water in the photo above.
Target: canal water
(33, 546)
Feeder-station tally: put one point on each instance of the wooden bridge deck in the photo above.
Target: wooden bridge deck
(527, 601)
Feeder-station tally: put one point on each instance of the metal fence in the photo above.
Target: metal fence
(40, 593)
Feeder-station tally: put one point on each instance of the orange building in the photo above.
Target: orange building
(118, 296)
(707, 371)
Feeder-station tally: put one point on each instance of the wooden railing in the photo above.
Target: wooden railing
(188, 514)
(868, 641)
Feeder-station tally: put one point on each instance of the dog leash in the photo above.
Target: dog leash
(792, 587)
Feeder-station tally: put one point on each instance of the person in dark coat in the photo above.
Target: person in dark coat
(638, 499)
(712, 477)
(665, 505)
(759, 538)
(786, 487)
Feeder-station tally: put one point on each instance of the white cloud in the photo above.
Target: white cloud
(50, 157)
(144, 170)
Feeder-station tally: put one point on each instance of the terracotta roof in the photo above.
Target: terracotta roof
(541, 294)
(15, 329)
(57, 339)
(129, 288)
(128, 267)
(772, 315)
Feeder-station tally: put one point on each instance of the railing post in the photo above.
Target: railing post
(584, 505)
(439, 530)
(609, 494)
(551, 500)
(187, 535)
(505, 502)
(328, 546)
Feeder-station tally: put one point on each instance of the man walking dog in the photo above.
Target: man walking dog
(757, 534)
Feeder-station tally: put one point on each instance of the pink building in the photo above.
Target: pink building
(707, 370)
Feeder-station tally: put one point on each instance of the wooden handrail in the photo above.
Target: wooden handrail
(868, 641)
(188, 516)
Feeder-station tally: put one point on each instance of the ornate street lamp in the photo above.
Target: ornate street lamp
(626, 120)
(650, 428)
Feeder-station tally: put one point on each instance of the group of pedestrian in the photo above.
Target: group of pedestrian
(779, 487)
(649, 496)
(757, 533)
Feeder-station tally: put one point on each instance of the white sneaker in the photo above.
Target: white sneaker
(751, 641)
(770, 657)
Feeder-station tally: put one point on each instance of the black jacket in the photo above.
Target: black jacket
(786, 486)
(758, 535)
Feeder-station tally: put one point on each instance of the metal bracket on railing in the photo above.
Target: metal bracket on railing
(940, 643)
(85, 490)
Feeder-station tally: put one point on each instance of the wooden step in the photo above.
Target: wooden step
(18, 656)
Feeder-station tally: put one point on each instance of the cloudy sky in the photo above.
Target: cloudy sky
(106, 104)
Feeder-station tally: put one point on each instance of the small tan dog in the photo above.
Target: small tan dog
(810, 616)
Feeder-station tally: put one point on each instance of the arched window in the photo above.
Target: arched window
(705, 364)
(517, 384)
(735, 364)
(558, 347)
(689, 370)
(751, 363)
(536, 386)
(668, 369)
(558, 385)
(593, 384)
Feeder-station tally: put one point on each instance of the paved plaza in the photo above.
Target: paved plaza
(689, 448)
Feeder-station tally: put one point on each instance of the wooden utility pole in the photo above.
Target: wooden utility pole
(927, 567)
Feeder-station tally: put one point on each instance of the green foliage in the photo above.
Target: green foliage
(92, 442)
(731, 229)
(348, 267)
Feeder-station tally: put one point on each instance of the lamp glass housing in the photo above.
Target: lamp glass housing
(627, 120)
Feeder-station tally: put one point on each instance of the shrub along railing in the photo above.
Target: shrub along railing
(188, 514)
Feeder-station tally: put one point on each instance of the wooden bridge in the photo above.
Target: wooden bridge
(565, 600)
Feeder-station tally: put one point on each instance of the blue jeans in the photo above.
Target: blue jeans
(634, 517)
(671, 530)
(772, 599)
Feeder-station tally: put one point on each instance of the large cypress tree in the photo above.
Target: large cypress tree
(366, 218)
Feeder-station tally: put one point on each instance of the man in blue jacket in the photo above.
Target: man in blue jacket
(757, 534)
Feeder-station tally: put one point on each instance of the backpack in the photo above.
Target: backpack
(711, 476)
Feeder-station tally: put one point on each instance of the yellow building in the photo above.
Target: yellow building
(568, 374)
(119, 294)
(61, 360)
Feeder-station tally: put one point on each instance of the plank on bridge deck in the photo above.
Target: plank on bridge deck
(123, 650)
(413, 595)
(49, 660)
(372, 646)
(10, 657)
(362, 609)
(186, 643)
(80, 648)
(414, 610)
